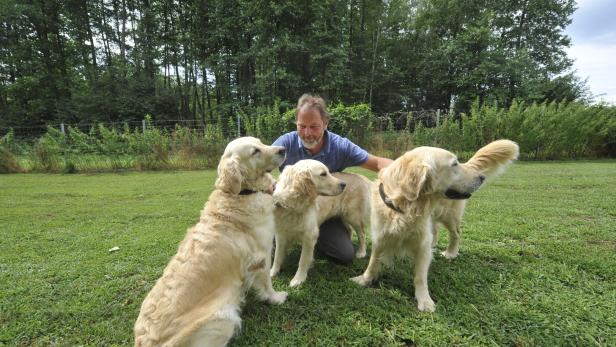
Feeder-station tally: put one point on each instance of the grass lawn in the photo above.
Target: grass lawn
(537, 265)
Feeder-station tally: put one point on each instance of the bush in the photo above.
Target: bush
(543, 131)
(8, 162)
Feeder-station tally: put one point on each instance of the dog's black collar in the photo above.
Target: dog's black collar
(387, 200)
(247, 192)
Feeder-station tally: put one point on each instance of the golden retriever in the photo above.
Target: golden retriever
(197, 300)
(489, 160)
(295, 197)
(352, 206)
(403, 200)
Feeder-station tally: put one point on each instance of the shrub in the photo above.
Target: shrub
(8, 162)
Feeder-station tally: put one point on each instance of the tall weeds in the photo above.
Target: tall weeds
(543, 131)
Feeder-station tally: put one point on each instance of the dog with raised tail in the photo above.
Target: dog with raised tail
(490, 160)
(415, 192)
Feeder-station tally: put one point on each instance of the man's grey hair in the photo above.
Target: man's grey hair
(314, 102)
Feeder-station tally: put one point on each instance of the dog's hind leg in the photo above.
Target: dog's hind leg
(219, 330)
(360, 230)
(453, 247)
(374, 265)
(435, 227)
(305, 259)
(280, 253)
(361, 237)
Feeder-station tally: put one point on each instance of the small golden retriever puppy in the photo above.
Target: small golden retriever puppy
(295, 197)
(197, 300)
(490, 160)
(352, 206)
(403, 200)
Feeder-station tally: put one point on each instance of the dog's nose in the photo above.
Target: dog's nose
(482, 177)
(342, 185)
(282, 151)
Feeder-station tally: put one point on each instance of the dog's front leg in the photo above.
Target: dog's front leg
(262, 283)
(306, 258)
(423, 257)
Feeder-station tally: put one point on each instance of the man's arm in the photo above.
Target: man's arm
(375, 163)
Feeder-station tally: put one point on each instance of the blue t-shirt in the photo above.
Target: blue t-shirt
(337, 153)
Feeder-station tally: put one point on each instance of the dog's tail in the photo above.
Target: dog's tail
(494, 157)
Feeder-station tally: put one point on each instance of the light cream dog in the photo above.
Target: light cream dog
(197, 300)
(490, 160)
(352, 206)
(403, 200)
(295, 197)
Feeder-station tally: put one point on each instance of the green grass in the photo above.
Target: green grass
(537, 265)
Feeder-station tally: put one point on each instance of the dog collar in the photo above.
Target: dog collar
(387, 200)
(247, 192)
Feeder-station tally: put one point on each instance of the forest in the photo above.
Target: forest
(106, 61)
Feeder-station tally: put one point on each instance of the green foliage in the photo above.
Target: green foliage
(8, 161)
(9, 143)
(48, 150)
(267, 124)
(69, 168)
(354, 122)
(203, 60)
(543, 131)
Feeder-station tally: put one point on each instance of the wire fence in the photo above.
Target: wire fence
(397, 121)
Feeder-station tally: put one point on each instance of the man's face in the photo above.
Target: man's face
(310, 127)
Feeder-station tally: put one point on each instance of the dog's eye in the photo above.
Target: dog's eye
(324, 174)
(455, 163)
(256, 151)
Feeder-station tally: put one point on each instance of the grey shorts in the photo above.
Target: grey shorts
(334, 242)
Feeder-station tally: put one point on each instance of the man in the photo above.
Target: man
(312, 140)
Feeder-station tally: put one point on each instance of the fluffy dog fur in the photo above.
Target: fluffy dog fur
(296, 211)
(490, 160)
(352, 206)
(412, 186)
(197, 300)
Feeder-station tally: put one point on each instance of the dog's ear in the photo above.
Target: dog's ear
(266, 183)
(304, 185)
(406, 178)
(229, 175)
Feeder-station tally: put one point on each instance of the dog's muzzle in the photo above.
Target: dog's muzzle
(456, 195)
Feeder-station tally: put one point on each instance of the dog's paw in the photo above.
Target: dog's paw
(297, 280)
(361, 280)
(360, 253)
(278, 298)
(274, 272)
(448, 255)
(426, 305)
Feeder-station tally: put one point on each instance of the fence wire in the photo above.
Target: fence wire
(400, 120)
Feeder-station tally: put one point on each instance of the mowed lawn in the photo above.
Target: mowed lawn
(537, 265)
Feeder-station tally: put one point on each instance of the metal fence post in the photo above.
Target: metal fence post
(65, 145)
